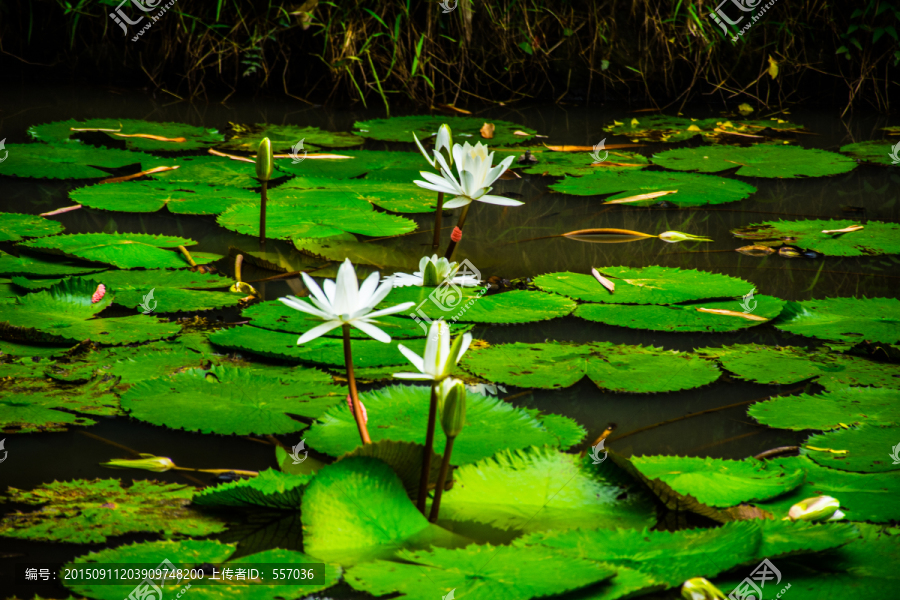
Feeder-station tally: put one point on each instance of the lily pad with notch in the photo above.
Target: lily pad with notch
(875, 238)
(179, 136)
(123, 250)
(761, 160)
(246, 138)
(151, 196)
(15, 227)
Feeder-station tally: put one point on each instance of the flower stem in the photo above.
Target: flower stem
(219, 471)
(351, 382)
(462, 221)
(442, 480)
(262, 216)
(428, 451)
(437, 221)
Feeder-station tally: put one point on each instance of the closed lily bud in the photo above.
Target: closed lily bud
(148, 462)
(445, 142)
(430, 273)
(264, 160)
(677, 236)
(699, 588)
(452, 397)
(820, 508)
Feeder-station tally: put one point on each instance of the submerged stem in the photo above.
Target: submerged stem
(351, 383)
(442, 480)
(438, 217)
(462, 221)
(428, 451)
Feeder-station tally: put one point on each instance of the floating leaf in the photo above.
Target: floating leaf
(91, 511)
(536, 489)
(844, 319)
(632, 369)
(15, 227)
(271, 489)
(228, 400)
(877, 238)
(401, 167)
(405, 458)
(395, 196)
(664, 128)
(124, 250)
(873, 151)
(572, 163)
(693, 190)
(285, 137)
(70, 161)
(37, 266)
(874, 406)
(384, 255)
(866, 448)
(207, 170)
(151, 196)
(400, 413)
(645, 285)
(401, 129)
(762, 160)
(166, 300)
(717, 482)
(467, 305)
(192, 137)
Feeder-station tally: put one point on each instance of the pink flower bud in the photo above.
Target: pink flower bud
(98, 295)
(456, 235)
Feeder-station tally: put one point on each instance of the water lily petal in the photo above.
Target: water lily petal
(390, 311)
(501, 200)
(420, 376)
(314, 289)
(412, 357)
(443, 187)
(319, 330)
(328, 287)
(422, 150)
(347, 294)
(298, 304)
(457, 202)
(372, 331)
(367, 290)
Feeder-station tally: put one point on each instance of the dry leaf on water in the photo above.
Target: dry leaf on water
(606, 236)
(487, 131)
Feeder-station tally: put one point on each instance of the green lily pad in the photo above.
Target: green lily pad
(867, 449)
(284, 137)
(400, 413)
(131, 365)
(190, 554)
(395, 196)
(645, 285)
(863, 496)
(454, 303)
(874, 406)
(692, 189)
(90, 511)
(465, 129)
(630, 369)
(23, 413)
(844, 319)
(850, 370)
(207, 170)
(405, 458)
(717, 482)
(556, 164)
(66, 312)
(145, 279)
(151, 196)
(228, 400)
(286, 220)
(477, 572)
(8, 348)
(376, 517)
(770, 364)
(681, 317)
(195, 137)
(538, 489)
(873, 151)
(874, 239)
(271, 489)
(664, 128)
(401, 167)
(567, 431)
(384, 255)
(168, 300)
(15, 227)
(40, 266)
(71, 161)
(762, 160)
(123, 250)
(322, 350)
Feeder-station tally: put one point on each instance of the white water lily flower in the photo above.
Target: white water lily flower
(434, 271)
(440, 357)
(344, 302)
(473, 164)
(444, 140)
(820, 508)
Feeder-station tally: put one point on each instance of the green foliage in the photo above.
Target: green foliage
(873, 151)
(395, 196)
(151, 196)
(874, 239)
(269, 489)
(405, 458)
(276, 316)
(852, 405)
(557, 164)
(664, 128)
(283, 137)
(402, 167)
(465, 129)
(60, 132)
(207, 170)
(123, 250)
(71, 161)
(37, 266)
(844, 319)
(865, 448)
(762, 160)
(15, 227)
(90, 511)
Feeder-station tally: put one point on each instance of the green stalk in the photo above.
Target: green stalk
(438, 218)
(428, 451)
(442, 480)
(462, 221)
(262, 217)
(351, 383)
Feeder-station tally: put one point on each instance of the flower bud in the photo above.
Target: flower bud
(820, 508)
(264, 160)
(243, 288)
(445, 142)
(452, 398)
(699, 588)
(677, 236)
(147, 462)
(430, 275)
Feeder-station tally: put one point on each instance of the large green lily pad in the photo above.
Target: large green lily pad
(207, 170)
(762, 160)
(395, 196)
(557, 164)
(123, 250)
(270, 489)
(867, 449)
(194, 137)
(400, 413)
(664, 128)
(69, 161)
(873, 151)
(90, 511)
(717, 482)
(844, 319)
(284, 137)
(691, 189)
(15, 227)
(852, 405)
(40, 266)
(874, 239)
(151, 196)
(465, 129)
(401, 167)
(276, 316)
(632, 369)
(230, 400)
(386, 255)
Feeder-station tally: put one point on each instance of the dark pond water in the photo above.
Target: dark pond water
(493, 243)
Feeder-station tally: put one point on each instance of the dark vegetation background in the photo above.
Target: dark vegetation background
(392, 52)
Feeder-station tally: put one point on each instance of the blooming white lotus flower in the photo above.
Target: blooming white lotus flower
(344, 302)
(820, 508)
(444, 141)
(473, 164)
(433, 271)
(440, 357)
